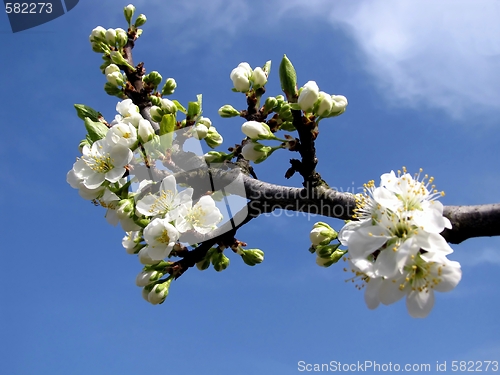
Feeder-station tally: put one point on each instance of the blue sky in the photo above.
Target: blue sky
(423, 88)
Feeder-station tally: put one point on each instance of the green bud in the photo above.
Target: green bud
(125, 208)
(83, 111)
(95, 129)
(332, 259)
(325, 251)
(156, 113)
(140, 20)
(252, 256)
(112, 89)
(143, 223)
(155, 100)
(154, 78)
(219, 261)
(217, 157)
(287, 126)
(288, 78)
(169, 87)
(322, 234)
(213, 138)
(270, 104)
(128, 12)
(228, 111)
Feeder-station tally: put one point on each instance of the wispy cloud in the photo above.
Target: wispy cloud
(442, 54)
(480, 257)
(190, 23)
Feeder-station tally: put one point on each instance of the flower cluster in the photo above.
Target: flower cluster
(311, 100)
(395, 246)
(157, 217)
(244, 77)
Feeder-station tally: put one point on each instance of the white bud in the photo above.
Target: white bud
(256, 130)
(200, 131)
(308, 96)
(259, 78)
(145, 130)
(325, 104)
(111, 36)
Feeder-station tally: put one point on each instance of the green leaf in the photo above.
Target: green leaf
(83, 111)
(288, 79)
(167, 127)
(96, 130)
(194, 108)
(179, 106)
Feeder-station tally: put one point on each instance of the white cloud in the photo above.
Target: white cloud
(422, 54)
(443, 54)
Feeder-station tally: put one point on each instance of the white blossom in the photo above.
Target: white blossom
(122, 134)
(167, 202)
(203, 217)
(160, 236)
(102, 162)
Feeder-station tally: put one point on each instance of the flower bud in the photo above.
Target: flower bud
(213, 138)
(141, 20)
(111, 36)
(322, 234)
(216, 157)
(98, 34)
(200, 131)
(125, 209)
(111, 68)
(256, 152)
(159, 292)
(147, 277)
(144, 257)
(241, 77)
(121, 37)
(270, 104)
(205, 121)
(145, 131)
(168, 106)
(128, 12)
(339, 105)
(324, 104)
(227, 111)
(308, 95)
(153, 78)
(155, 100)
(257, 130)
(252, 256)
(259, 78)
(334, 257)
(115, 78)
(156, 113)
(169, 87)
(219, 261)
(112, 90)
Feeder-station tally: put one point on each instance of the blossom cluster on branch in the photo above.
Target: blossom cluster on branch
(165, 196)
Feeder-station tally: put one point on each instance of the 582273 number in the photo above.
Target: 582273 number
(28, 8)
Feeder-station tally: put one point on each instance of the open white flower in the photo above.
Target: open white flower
(167, 202)
(160, 236)
(102, 162)
(77, 183)
(424, 274)
(203, 217)
(122, 134)
(396, 220)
